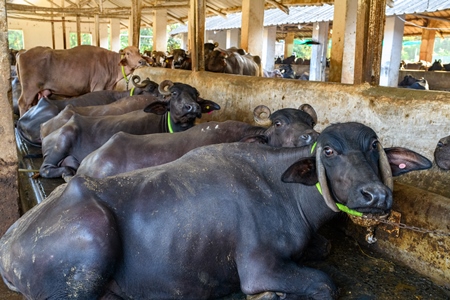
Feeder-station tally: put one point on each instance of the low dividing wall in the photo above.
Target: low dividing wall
(401, 117)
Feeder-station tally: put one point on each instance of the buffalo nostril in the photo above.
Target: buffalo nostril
(188, 108)
(367, 196)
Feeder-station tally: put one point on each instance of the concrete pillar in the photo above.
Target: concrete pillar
(252, 26)
(9, 201)
(392, 50)
(270, 35)
(184, 41)
(319, 52)
(114, 34)
(219, 37)
(233, 38)
(160, 30)
(348, 69)
(103, 32)
(289, 44)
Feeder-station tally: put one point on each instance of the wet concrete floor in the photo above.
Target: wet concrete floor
(358, 271)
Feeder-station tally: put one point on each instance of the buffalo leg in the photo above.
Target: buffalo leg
(287, 281)
(57, 148)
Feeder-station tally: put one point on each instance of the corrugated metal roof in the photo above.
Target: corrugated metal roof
(272, 17)
(417, 6)
(415, 10)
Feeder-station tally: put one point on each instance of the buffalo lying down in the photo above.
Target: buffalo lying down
(29, 125)
(288, 127)
(65, 148)
(119, 107)
(442, 153)
(220, 219)
(411, 82)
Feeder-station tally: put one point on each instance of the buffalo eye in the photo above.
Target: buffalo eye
(375, 145)
(440, 144)
(328, 151)
(277, 124)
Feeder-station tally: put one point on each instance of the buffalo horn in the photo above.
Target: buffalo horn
(323, 181)
(385, 168)
(261, 115)
(135, 79)
(309, 110)
(162, 87)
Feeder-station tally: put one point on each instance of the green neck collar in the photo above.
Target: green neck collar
(313, 147)
(169, 124)
(342, 207)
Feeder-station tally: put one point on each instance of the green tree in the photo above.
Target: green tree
(123, 39)
(146, 39)
(173, 42)
(15, 39)
(86, 39)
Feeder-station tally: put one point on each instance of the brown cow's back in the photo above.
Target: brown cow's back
(70, 72)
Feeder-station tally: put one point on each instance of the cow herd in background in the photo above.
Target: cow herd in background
(158, 207)
(421, 83)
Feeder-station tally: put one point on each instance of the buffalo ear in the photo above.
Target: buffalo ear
(302, 171)
(207, 106)
(158, 107)
(256, 139)
(403, 160)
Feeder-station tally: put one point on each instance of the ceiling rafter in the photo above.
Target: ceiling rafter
(217, 12)
(278, 5)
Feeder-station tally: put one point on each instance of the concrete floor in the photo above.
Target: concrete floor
(359, 272)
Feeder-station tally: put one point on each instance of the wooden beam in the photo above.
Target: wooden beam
(19, 8)
(208, 7)
(196, 34)
(307, 2)
(78, 30)
(278, 5)
(40, 19)
(432, 18)
(135, 23)
(172, 16)
(9, 202)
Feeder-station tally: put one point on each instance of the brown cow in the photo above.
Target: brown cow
(72, 72)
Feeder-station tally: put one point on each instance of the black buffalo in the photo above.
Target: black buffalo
(439, 66)
(221, 219)
(119, 107)
(28, 126)
(16, 90)
(65, 148)
(413, 83)
(288, 128)
(442, 153)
